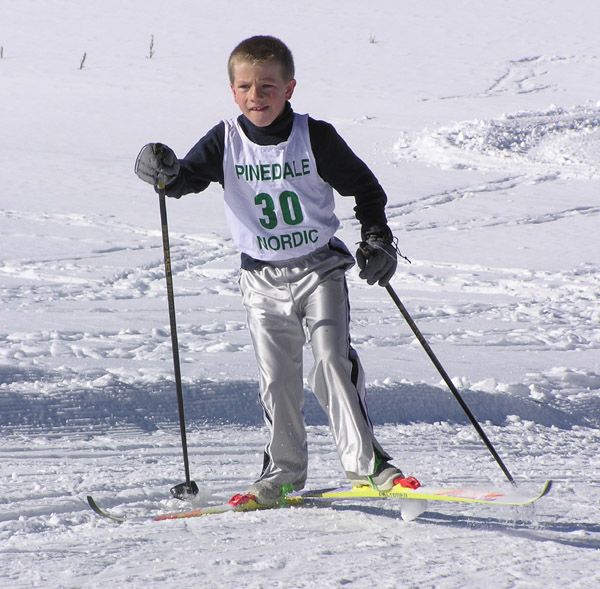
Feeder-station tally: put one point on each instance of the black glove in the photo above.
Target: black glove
(157, 162)
(377, 255)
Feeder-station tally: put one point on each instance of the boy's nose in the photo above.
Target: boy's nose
(254, 92)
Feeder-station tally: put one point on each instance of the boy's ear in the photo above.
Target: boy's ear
(290, 89)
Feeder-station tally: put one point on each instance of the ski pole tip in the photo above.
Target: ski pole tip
(185, 490)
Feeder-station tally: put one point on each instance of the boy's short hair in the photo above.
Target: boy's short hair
(262, 48)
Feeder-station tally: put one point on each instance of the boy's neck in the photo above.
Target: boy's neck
(277, 132)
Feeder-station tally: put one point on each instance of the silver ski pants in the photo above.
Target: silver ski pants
(287, 304)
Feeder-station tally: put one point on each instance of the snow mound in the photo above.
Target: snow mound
(555, 142)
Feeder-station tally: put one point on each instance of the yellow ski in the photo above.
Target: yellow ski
(455, 494)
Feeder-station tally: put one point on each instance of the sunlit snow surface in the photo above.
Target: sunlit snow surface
(481, 120)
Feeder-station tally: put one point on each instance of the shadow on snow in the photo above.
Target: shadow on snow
(148, 406)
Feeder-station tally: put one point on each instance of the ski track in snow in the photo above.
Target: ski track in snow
(529, 75)
(47, 509)
(74, 278)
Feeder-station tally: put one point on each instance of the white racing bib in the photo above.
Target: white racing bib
(276, 204)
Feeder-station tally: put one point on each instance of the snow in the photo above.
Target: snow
(482, 121)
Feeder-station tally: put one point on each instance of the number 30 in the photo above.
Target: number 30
(289, 204)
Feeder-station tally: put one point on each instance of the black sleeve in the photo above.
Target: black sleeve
(341, 168)
(202, 165)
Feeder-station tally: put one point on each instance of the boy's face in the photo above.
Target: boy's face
(260, 90)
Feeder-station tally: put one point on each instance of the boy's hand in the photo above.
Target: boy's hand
(377, 255)
(157, 162)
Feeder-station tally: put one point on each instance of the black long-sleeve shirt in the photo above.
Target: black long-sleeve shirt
(336, 163)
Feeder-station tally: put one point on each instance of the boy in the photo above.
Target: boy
(277, 169)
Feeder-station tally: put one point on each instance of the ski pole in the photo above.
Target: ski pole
(189, 487)
(447, 380)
